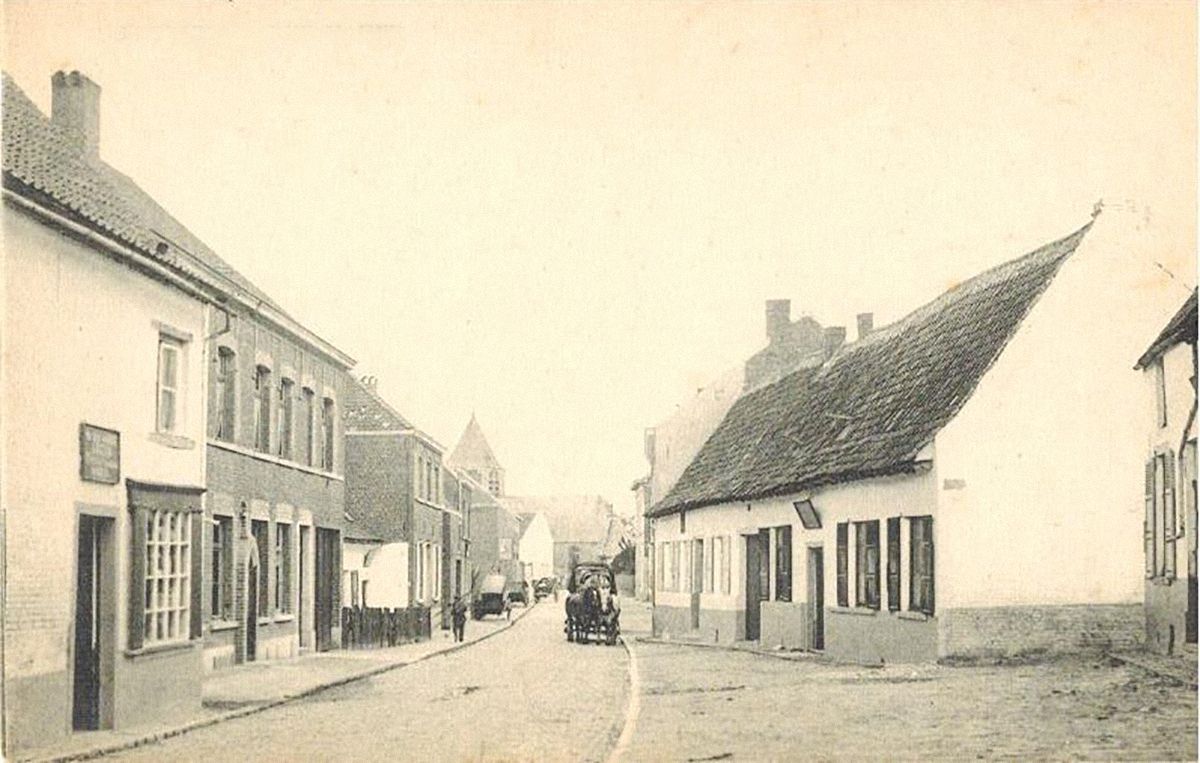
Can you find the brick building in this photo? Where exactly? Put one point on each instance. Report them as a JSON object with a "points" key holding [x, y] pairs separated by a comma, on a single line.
{"points": [[396, 497]]}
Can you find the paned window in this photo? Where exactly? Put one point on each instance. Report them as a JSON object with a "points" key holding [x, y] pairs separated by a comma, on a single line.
{"points": [[283, 433], [327, 427], [262, 409], [893, 563], [225, 401], [310, 426], [921, 565], [783, 563], [843, 564], [167, 579], [725, 546], [283, 567], [221, 569], [258, 528], [710, 564], [170, 380], [866, 563], [1160, 391]]}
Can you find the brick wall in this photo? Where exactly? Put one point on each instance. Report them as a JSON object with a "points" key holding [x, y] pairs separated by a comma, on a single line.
{"points": [[1033, 631], [376, 483]]}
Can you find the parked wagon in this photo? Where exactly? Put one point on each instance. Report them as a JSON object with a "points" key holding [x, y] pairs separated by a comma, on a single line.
{"points": [[490, 599], [593, 608]]}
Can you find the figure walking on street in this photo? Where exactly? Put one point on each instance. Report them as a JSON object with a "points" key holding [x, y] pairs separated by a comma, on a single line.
{"points": [[459, 614]]}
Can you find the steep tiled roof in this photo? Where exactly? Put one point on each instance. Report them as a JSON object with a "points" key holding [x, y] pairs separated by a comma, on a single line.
{"points": [[876, 403], [1181, 328], [365, 411], [472, 450]]}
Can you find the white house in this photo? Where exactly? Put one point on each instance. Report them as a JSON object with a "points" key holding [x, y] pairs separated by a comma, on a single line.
{"points": [[955, 483], [1169, 372], [535, 547]]}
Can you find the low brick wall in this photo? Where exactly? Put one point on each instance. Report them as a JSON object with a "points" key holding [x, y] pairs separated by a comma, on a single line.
{"points": [[722, 626], [1025, 632]]}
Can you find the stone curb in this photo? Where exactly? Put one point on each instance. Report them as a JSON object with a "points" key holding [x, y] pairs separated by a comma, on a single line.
{"points": [[158, 736], [1153, 669]]}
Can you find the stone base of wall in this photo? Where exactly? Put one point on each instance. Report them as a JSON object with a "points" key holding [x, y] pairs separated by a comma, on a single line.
{"points": [[784, 624], [723, 626], [1166, 614], [37, 710], [1029, 632], [873, 637]]}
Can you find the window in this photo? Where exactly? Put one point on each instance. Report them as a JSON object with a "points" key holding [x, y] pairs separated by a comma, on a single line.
{"points": [[258, 528], [783, 563], [710, 564], [262, 409], [284, 423], [170, 380], [494, 482], [221, 569], [1160, 390], [283, 567], [660, 572], [725, 545], [354, 588], [893, 563], [167, 578], [843, 565], [310, 426], [225, 400], [866, 564], [327, 427], [675, 567], [920, 561]]}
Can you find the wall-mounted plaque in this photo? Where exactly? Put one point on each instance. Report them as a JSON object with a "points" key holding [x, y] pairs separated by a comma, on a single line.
{"points": [[99, 454], [808, 515]]}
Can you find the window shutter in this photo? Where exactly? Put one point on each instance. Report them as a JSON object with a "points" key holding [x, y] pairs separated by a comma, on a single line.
{"points": [[197, 573], [1150, 519], [1170, 529], [137, 577]]}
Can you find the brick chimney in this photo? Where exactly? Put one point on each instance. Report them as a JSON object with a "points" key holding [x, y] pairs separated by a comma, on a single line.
{"points": [[76, 106], [835, 337], [779, 317], [866, 324]]}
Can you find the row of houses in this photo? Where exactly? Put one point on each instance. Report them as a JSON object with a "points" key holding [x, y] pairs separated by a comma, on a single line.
{"points": [[193, 478], [961, 483]]}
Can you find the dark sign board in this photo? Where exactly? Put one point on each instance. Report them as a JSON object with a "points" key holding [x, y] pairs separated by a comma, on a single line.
{"points": [[808, 515], [99, 454]]}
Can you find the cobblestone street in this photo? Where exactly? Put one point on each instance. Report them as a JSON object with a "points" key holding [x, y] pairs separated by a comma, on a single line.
{"points": [[709, 704]]}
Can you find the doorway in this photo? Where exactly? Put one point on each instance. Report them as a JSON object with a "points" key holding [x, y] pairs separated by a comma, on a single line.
{"points": [[305, 617], [94, 623], [757, 581], [252, 608], [329, 572], [697, 580], [816, 598]]}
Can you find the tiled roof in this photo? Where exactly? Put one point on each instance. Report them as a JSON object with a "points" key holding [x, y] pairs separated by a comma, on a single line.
{"points": [[44, 161], [365, 411], [1181, 328], [876, 403]]}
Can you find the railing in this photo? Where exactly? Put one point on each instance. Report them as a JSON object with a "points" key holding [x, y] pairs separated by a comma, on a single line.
{"points": [[374, 627]]}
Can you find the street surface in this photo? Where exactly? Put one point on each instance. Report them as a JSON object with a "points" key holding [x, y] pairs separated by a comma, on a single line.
{"points": [[526, 694]]}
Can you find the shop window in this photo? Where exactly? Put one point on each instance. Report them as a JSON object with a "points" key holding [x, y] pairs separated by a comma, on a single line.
{"points": [[921, 565], [167, 577], [866, 564], [893, 563]]}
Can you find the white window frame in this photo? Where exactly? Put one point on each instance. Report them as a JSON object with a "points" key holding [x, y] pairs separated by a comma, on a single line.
{"points": [[166, 618], [170, 344]]}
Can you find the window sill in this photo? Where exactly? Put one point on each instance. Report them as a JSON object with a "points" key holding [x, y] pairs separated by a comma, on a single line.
{"points": [[265, 621], [860, 611], [159, 649], [1162, 580], [215, 626], [920, 617], [286, 617], [178, 442]]}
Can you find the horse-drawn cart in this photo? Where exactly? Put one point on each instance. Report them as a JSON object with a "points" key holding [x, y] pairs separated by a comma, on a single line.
{"points": [[593, 609]]}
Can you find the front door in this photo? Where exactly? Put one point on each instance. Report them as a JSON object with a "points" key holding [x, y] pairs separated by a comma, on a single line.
{"points": [[91, 609], [252, 609], [328, 573], [305, 617], [816, 597], [697, 580], [756, 573]]}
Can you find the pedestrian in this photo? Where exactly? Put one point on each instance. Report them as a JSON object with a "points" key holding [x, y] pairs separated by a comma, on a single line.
{"points": [[508, 609], [459, 614]]}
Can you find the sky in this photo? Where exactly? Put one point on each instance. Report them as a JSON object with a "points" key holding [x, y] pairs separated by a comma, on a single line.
{"points": [[566, 218]]}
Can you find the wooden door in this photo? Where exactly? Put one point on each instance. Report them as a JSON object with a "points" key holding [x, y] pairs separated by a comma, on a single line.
{"points": [[86, 680], [697, 580], [305, 616], [328, 571], [756, 573], [816, 598], [252, 609]]}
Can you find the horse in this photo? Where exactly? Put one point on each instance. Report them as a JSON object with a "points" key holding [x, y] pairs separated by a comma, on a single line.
{"points": [[583, 608]]}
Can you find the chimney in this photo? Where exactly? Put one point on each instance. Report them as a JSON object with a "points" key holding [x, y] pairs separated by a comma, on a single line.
{"points": [[835, 337], [779, 317], [76, 106], [866, 324]]}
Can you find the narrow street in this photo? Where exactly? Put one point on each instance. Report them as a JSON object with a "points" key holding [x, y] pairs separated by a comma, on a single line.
{"points": [[524, 694]]}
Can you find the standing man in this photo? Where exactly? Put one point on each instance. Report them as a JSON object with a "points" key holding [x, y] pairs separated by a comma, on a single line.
{"points": [[459, 615]]}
